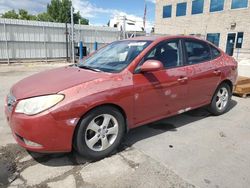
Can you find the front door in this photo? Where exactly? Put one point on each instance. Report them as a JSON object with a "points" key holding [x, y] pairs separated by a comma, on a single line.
{"points": [[161, 93], [230, 44]]}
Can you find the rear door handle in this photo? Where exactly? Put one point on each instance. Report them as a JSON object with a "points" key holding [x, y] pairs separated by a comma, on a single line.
{"points": [[217, 72]]}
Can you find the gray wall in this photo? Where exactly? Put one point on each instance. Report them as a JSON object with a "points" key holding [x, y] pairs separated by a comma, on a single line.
{"points": [[22, 39]]}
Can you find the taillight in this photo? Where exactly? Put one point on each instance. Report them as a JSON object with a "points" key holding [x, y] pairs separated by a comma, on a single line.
{"points": [[235, 64], [234, 68]]}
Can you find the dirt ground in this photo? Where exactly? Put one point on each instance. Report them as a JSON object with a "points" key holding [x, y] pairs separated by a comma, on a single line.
{"points": [[194, 149]]}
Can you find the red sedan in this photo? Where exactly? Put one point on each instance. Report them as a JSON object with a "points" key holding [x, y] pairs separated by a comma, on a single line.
{"points": [[124, 85]]}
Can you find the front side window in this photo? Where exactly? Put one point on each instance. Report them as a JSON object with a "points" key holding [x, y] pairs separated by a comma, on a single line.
{"points": [[167, 11], [197, 52], [197, 6], [115, 56], [181, 9], [214, 38], [167, 52], [239, 4], [216, 5]]}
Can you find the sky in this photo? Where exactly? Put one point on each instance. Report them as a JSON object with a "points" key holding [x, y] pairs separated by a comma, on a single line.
{"points": [[98, 12]]}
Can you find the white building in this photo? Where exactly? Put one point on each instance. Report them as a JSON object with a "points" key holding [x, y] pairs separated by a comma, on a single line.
{"points": [[127, 23]]}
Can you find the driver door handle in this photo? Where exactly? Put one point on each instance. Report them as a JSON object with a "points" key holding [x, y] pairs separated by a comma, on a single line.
{"points": [[182, 79]]}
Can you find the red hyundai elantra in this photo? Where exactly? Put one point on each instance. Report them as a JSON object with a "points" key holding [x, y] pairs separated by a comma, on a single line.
{"points": [[124, 85]]}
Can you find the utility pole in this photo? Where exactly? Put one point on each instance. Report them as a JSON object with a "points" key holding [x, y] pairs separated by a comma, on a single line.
{"points": [[145, 15], [72, 35]]}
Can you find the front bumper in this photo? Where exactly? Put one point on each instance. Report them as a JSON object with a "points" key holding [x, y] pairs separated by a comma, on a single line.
{"points": [[50, 135]]}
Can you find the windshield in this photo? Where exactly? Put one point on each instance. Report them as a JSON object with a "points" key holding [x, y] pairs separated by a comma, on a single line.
{"points": [[115, 56]]}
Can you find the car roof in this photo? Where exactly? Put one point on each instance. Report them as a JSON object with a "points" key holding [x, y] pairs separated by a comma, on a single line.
{"points": [[159, 38], [163, 37]]}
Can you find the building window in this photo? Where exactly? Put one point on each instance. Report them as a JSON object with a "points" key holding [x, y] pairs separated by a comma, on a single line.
{"points": [[167, 11], [197, 6], [214, 38], [239, 40], [239, 4], [181, 9], [216, 5]]}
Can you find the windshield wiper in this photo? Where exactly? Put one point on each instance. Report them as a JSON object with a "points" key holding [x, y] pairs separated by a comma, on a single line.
{"points": [[89, 68]]}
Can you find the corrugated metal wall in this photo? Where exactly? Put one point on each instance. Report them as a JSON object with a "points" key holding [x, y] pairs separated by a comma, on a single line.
{"points": [[22, 39]]}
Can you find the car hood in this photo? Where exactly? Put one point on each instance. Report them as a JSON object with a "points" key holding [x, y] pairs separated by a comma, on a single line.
{"points": [[53, 81]]}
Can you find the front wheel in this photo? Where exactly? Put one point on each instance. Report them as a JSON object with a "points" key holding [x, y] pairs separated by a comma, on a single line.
{"points": [[100, 132], [221, 100]]}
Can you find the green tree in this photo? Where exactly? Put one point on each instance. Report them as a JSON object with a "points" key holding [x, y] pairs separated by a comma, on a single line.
{"points": [[44, 17], [84, 21], [24, 15], [60, 11], [10, 14], [53, 10], [57, 11], [65, 11], [78, 17]]}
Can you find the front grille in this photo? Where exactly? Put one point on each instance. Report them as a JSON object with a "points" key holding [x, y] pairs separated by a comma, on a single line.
{"points": [[11, 100]]}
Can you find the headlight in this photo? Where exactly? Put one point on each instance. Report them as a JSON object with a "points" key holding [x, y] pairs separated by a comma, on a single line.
{"points": [[37, 105]]}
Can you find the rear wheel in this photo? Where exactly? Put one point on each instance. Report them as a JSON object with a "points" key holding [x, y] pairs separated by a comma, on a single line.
{"points": [[221, 99], [100, 132]]}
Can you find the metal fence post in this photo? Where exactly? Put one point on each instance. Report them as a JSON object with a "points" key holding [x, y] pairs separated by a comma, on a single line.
{"points": [[67, 42], [6, 43], [44, 43], [72, 35], [95, 41], [80, 51], [95, 46]]}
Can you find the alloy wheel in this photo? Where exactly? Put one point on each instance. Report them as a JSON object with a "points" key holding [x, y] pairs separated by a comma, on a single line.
{"points": [[222, 98], [101, 132]]}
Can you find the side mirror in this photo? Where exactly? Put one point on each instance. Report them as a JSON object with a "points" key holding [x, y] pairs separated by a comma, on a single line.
{"points": [[151, 65]]}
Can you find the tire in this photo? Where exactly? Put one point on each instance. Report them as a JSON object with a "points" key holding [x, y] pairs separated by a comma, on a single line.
{"points": [[99, 133], [221, 100]]}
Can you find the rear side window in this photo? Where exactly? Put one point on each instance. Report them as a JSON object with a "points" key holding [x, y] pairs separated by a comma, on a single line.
{"points": [[197, 52], [214, 52]]}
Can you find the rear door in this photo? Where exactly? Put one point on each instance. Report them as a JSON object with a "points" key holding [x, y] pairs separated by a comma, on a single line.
{"points": [[161, 93], [203, 75]]}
